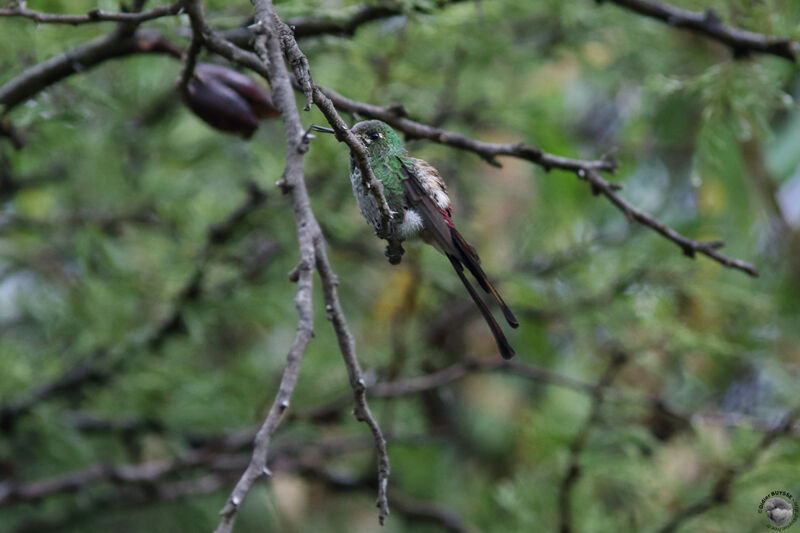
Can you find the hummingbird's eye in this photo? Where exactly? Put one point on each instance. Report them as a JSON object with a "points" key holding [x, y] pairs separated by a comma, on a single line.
{"points": [[376, 136]]}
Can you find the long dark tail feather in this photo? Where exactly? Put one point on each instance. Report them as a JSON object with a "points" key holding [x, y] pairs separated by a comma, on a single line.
{"points": [[502, 343], [471, 260]]}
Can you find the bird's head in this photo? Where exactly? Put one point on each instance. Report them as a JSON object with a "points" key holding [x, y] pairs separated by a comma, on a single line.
{"points": [[378, 137]]}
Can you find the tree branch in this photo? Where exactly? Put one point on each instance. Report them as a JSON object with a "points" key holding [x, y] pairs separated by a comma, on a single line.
{"points": [[296, 146], [414, 510], [578, 444], [689, 246], [106, 364], [347, 346], [415, 385], [123, 474], [327, 100], [134, 485], [219, 455], [356, 17], [721, 487], [395, 116], [344, 22], [190, 58], [119, 43], [95, 15], [585, 170], [274, 37], [741, 42]]}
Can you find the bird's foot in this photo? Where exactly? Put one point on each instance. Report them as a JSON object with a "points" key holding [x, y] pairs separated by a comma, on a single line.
{"points": [[394, 251]]}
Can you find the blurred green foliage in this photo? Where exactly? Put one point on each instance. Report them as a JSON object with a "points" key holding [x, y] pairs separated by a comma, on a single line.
{"points": [[95, 257]]}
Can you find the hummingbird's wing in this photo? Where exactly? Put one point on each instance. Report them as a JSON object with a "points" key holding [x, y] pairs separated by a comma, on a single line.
{"points": [[426, 194]]}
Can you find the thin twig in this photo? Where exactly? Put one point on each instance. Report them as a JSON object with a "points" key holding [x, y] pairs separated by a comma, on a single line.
{"points": [[95, 15], [347, 346], [721, 487], [218, 455], [107, 363], [190, 57], [415, 385], [296, 146], [395, 116], [343, 22], [272, 39], [689, 246], [413, 510], [578, 444], [741, 42], [118, 43]]}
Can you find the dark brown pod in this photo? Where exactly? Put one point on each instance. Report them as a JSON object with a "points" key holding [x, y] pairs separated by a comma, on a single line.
{"points": [[256, 96], [220, 106]]}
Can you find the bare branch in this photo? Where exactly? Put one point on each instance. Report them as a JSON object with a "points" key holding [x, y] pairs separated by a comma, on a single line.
{"points": [[741, 42], [414, 510], [273, 37], [415, 385], [118, 43], [220, 455], [328, 100], [578, 444], [209, 469], [114, 45], [348, 21], [688, 246], [297, 59], [95, 15], [721, 487], [586, 170], [347, 346], [395, 117], [335, 314], [344, 22], [127, 474], [105, 364], [297, 145], [190, 57]]}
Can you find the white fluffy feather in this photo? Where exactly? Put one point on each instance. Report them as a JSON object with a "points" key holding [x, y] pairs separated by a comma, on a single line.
{"points": [[412, 224]]}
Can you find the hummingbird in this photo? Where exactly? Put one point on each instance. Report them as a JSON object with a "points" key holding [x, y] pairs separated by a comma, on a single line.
{"points": [[417, 196]]}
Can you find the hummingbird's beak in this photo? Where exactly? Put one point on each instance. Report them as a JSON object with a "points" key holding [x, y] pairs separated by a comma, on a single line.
{"points": [[322, 129]]}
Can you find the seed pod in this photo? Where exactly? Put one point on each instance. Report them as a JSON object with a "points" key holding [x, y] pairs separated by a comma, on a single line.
{"points": [[220, 107], [227, 100], [255, 95]]}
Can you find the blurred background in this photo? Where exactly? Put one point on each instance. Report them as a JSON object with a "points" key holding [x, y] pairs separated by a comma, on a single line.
{"points": [[146, 312]]}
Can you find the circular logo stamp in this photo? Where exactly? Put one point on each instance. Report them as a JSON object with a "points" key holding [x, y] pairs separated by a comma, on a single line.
{"points": [[780, 508]]}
